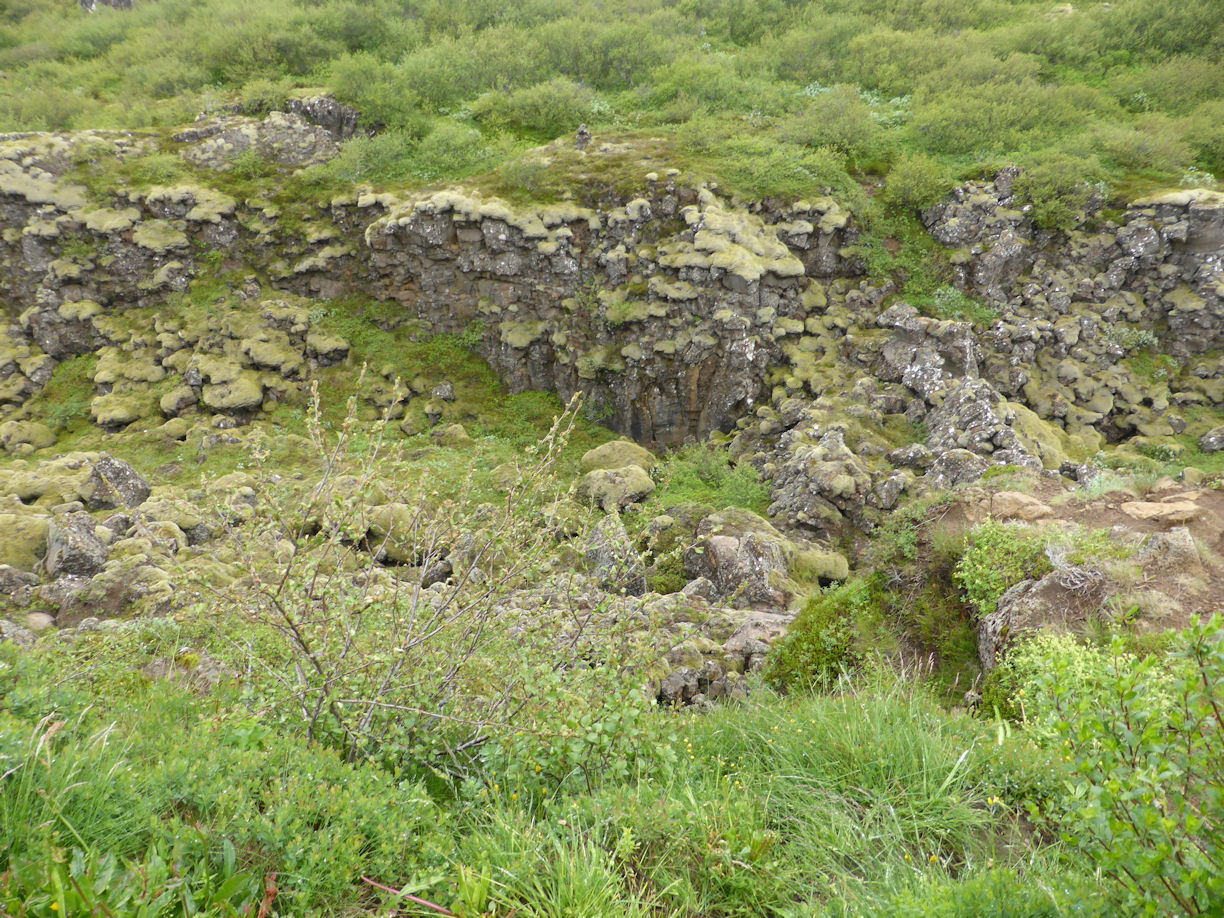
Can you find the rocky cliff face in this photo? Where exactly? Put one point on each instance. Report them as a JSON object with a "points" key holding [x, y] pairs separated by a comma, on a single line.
{"points": [[675, 311], [668, 310]]}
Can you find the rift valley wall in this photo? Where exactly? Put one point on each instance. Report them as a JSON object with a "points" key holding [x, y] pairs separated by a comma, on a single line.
{"points": [[676, 312]]}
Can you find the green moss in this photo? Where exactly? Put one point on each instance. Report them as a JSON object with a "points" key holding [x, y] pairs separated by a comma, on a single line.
{"points": [[159, 236], [25, 538], [64, 401], [704, 474], [522, 334]]}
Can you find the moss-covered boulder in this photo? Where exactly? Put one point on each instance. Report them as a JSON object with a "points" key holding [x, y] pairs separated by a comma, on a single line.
{"points": [[73, 546], [454, 436], [25, 536], [245, 392], [615, 489], [21, 437], [753, 565], [617, 455]]}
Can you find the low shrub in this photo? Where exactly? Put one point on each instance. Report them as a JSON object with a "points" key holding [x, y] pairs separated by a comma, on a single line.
{"points": [[821, 642], [838, 118], [998, 556], [705, 474], [1057, 189], [1147, 806], [948, 302], [547, 109], [915, 182]]}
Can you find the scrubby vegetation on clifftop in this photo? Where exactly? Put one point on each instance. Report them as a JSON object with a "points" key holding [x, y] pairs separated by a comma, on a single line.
{"points": [[797, 491]]}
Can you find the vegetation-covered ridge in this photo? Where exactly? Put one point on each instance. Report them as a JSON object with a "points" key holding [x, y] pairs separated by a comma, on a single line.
{"points": [[774, 94]]}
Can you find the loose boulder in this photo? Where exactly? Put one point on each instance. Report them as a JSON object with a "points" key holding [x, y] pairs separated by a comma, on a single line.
{"points": [[617, 455], [115, 485], [615, 489], [20, 437], [1212, 441], [73, 546]]}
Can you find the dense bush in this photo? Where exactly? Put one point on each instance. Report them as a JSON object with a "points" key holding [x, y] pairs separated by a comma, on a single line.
{"points": [[1148, 752], [838, 118], [703, 474], [1056, 190], [548, 109], [915, 182], [997, 557], [821, 642]]}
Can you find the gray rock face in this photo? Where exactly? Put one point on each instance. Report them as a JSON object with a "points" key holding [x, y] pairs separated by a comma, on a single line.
{"points": [[1055, 603], [336, 118], [819, 479], [22, 637], [956, 467], [1212, 441], [1165, 258], [73, 547], [1174, 551], [974, 416], [115, 485], [613, 560], [282, 138], [15, 585], [631, 305], [744, 557]]}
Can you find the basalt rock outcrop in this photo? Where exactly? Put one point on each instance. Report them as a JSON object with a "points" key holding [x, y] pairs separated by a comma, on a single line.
{"points": [[675, 311]]}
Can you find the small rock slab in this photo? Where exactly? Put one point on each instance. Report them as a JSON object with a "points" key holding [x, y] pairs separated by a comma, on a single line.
{"points": [[1172, 513], [114, 485], [1212, 441], [1015, 505]]}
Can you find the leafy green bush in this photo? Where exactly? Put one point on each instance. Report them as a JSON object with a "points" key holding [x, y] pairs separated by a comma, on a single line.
{"points": [[948, 302], [249, 165], [915, 182], [761, 166], [389, 156], [380, 91], [704, 474], [1153, 143], [1148, 805], [840, 119], [547, 109], [997, 557], [451, 149], [1057, 189], [1018, 690], [576, 740], [820, 643], [1205, 132], [168, 881]]}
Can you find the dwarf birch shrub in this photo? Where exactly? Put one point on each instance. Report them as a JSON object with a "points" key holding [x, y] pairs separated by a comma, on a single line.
{"points": [[997, 557], [1147, 802], [389, 598]]}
